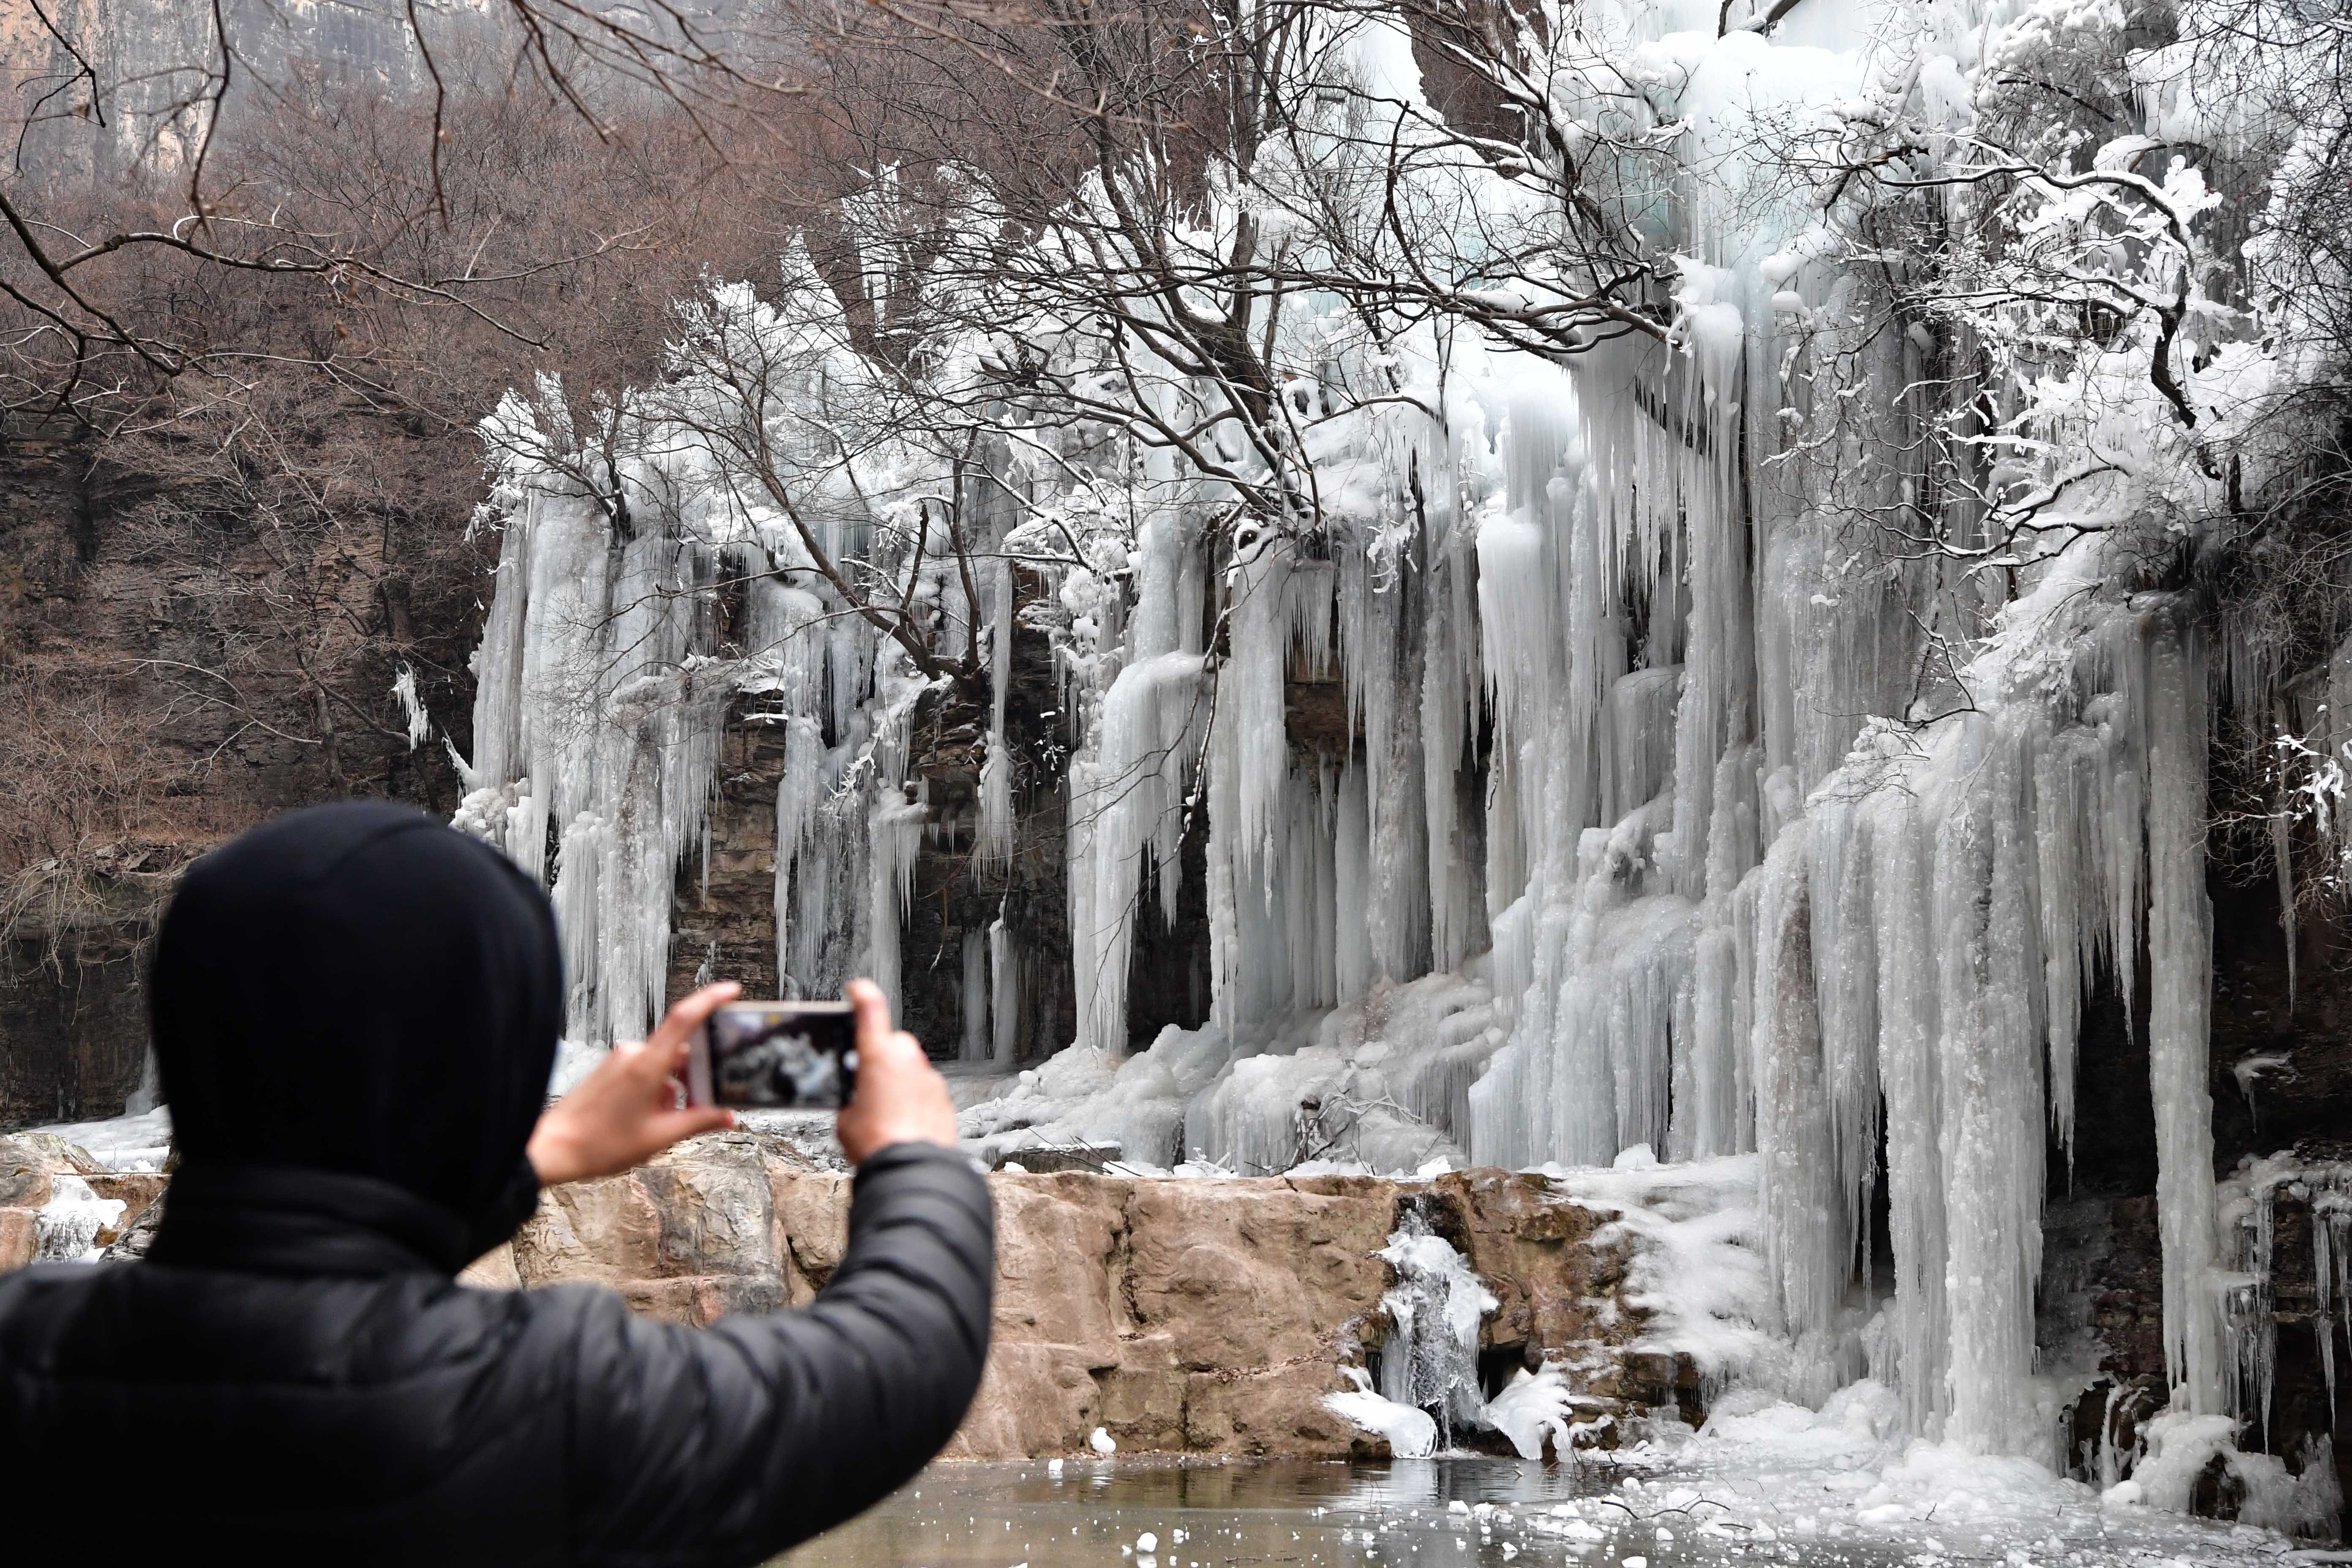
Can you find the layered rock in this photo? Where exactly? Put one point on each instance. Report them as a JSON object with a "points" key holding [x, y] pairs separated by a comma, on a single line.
{"points": [[42, 1177], [1179, 1316]]}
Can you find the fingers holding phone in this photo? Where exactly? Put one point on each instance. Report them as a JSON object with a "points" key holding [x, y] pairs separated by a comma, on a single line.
{"points": [[807, 1055], [900, 1097], [626, 1112]]}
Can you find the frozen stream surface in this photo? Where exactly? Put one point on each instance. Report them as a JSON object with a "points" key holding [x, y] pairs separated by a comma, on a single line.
{"points": [[1717, 1504]]}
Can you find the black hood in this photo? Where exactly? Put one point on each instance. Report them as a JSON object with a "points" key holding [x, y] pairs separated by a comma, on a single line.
{"points": [[355, 1011]]}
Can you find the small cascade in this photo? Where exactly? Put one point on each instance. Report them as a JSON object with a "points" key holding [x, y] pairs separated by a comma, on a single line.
{"points": [[1430, 1362], [65, 1230]]}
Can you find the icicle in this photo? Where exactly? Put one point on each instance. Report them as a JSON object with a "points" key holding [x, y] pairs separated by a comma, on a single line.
{"points": [[2180, 930], [404, 691], [1904, 943], [2281, 864], [996, 821], [1251, 686], [1723, 1119], [2331, 1268], [1003, 991], [976, 1037], [2249, 1328], [1844, 947], [800, 795], [1131, 808], [1448, 697], [1352, 949], [894, 835], [2065, 784], [1802, 1202], [1991, 1091]]}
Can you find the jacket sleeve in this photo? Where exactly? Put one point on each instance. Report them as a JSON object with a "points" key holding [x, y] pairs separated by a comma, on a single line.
{"points": [[729, 1444]]}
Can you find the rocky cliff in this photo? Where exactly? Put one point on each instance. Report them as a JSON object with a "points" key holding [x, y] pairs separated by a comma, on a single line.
{"points": [[1178, 1316]]}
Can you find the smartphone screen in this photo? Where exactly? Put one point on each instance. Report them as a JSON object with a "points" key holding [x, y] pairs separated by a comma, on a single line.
{"points": [[788, 1056]]}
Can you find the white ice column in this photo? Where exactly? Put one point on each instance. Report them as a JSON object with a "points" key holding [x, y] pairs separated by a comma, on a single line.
{"points": [[1132, 806], [1992, 1142], [1250, 690], [1803, 1207], [976, 1039], [1351, 874], [2180, 947], [1908, 1076], [1846, 969], [2073, 927], [1004, 990], [1720, 1118]]}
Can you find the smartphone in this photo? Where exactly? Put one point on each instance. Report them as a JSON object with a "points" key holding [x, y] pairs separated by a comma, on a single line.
{"points": [[792, 1056]]}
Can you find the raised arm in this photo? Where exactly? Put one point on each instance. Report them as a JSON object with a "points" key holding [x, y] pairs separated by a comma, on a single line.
{"points": [[728, 1444]]}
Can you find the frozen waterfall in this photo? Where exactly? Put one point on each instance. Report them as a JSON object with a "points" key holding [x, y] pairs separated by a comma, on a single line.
{"points": [[1673, 807]]}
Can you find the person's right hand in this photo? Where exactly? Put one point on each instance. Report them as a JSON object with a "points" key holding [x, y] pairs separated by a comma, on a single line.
{"points": [[624, 1113], [900, 1097]]}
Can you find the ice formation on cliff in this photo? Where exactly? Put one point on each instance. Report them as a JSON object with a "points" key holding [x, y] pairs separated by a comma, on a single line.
{"points": [[1667, 820], [1429, 1360]]}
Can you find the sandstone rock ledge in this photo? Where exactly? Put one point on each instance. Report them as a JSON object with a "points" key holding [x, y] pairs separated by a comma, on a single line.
{"points": [[1181, 1316]]}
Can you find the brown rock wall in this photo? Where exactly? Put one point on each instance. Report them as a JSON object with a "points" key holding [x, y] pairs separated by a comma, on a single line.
{"points": [[1536, 1251], [1207, 1317]]}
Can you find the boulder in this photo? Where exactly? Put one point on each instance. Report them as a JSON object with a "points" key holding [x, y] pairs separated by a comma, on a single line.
{"points": [[811, 1210], [29, 1163], [20, 1241], [493, 1270], [1269, 1412], [1243, 1273], [687, 1238]]}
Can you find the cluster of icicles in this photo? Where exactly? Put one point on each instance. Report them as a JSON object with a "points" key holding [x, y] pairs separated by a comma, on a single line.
{"points": [[1727, 911], [2249, 1206], [600, 711]]}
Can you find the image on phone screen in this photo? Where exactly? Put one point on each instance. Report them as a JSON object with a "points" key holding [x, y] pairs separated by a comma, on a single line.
{"points": [[780, 1056]]}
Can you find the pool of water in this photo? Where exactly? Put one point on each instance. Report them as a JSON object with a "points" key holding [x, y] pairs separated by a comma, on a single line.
{"points": [[1455, 1512], [1720, 1504]]}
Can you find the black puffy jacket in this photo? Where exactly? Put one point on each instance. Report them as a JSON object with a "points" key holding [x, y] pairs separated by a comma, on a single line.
{"points": [[377, 1412], [355, 1009]]}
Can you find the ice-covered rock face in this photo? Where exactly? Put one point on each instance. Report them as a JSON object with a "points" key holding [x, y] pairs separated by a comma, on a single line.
{"points": [[1219, 1316], [1751, 741]]}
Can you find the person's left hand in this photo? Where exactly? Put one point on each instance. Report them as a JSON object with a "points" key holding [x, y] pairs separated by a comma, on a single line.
{"points": [[624, 1113]]}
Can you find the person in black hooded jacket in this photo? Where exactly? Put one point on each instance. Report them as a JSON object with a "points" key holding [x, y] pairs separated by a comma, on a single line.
{"points": [[355, 1013]]}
